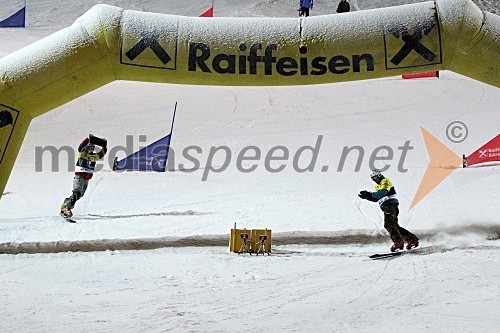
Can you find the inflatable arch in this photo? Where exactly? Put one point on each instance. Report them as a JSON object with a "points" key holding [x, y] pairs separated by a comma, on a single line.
{"points": [[109, 43]]}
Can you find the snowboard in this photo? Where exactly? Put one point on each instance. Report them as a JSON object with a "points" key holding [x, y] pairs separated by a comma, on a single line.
{"points": [[97, 141], [385, 255], [67, 219], [389, 255]]}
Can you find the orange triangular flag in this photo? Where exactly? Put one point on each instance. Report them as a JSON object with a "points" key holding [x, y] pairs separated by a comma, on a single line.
{"points": [[442, 162]]}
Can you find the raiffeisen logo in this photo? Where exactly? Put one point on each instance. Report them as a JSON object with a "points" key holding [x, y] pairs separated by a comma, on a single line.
{"points": [[258, 59]]}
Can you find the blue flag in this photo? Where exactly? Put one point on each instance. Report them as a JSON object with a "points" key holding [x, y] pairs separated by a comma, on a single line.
{"points": [[16, 20], [150, 158]]}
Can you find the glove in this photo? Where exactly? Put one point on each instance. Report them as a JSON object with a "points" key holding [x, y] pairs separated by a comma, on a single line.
{"points": [[364, 194]]}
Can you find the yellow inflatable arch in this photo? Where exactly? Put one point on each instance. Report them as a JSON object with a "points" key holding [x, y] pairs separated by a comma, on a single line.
{"points": [[109, 43]]}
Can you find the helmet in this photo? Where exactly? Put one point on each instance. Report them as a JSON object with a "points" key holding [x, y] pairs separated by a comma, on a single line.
{"points": [[89, 148], [376, 174]]}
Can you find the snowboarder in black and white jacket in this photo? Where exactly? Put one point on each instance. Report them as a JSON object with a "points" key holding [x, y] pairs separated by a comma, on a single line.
{"points": [[85, 166], [385, 195]]}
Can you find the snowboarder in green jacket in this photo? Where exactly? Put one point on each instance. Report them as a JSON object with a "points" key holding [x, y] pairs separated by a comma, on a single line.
{"points": [[385, 195]]}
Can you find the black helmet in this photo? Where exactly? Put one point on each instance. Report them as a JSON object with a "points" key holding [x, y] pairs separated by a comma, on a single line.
{"points": [[89, 148]]}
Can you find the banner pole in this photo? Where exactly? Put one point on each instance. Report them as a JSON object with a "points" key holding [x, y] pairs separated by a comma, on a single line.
{"points": [[173, 118]]}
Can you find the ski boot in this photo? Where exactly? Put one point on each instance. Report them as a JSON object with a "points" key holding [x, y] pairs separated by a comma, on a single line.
{"points": [[412, 244], [398, 246], [65, 211]]}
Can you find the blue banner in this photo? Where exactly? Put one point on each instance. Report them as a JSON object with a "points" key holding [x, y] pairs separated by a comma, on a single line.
{"points": [[150, 158], [16, 20]]}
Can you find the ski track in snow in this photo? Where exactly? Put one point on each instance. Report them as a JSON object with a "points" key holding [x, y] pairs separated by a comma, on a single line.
{"points": [[478, 233]]}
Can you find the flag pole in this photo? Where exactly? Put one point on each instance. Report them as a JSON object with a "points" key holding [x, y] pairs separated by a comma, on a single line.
{"points": [[171, 130], [173, 118]]}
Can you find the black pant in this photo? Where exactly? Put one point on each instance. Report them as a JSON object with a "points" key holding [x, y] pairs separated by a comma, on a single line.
{"points": [[396, 232], [304, 11]]}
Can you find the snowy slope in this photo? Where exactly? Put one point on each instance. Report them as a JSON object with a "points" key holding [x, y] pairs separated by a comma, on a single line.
{"points": [[239, 117], [452, 286], [208, 290]]}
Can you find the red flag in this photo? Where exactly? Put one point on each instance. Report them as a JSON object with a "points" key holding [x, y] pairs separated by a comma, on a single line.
{"points": [[421, 75], [488, 153], [209, 13]]}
